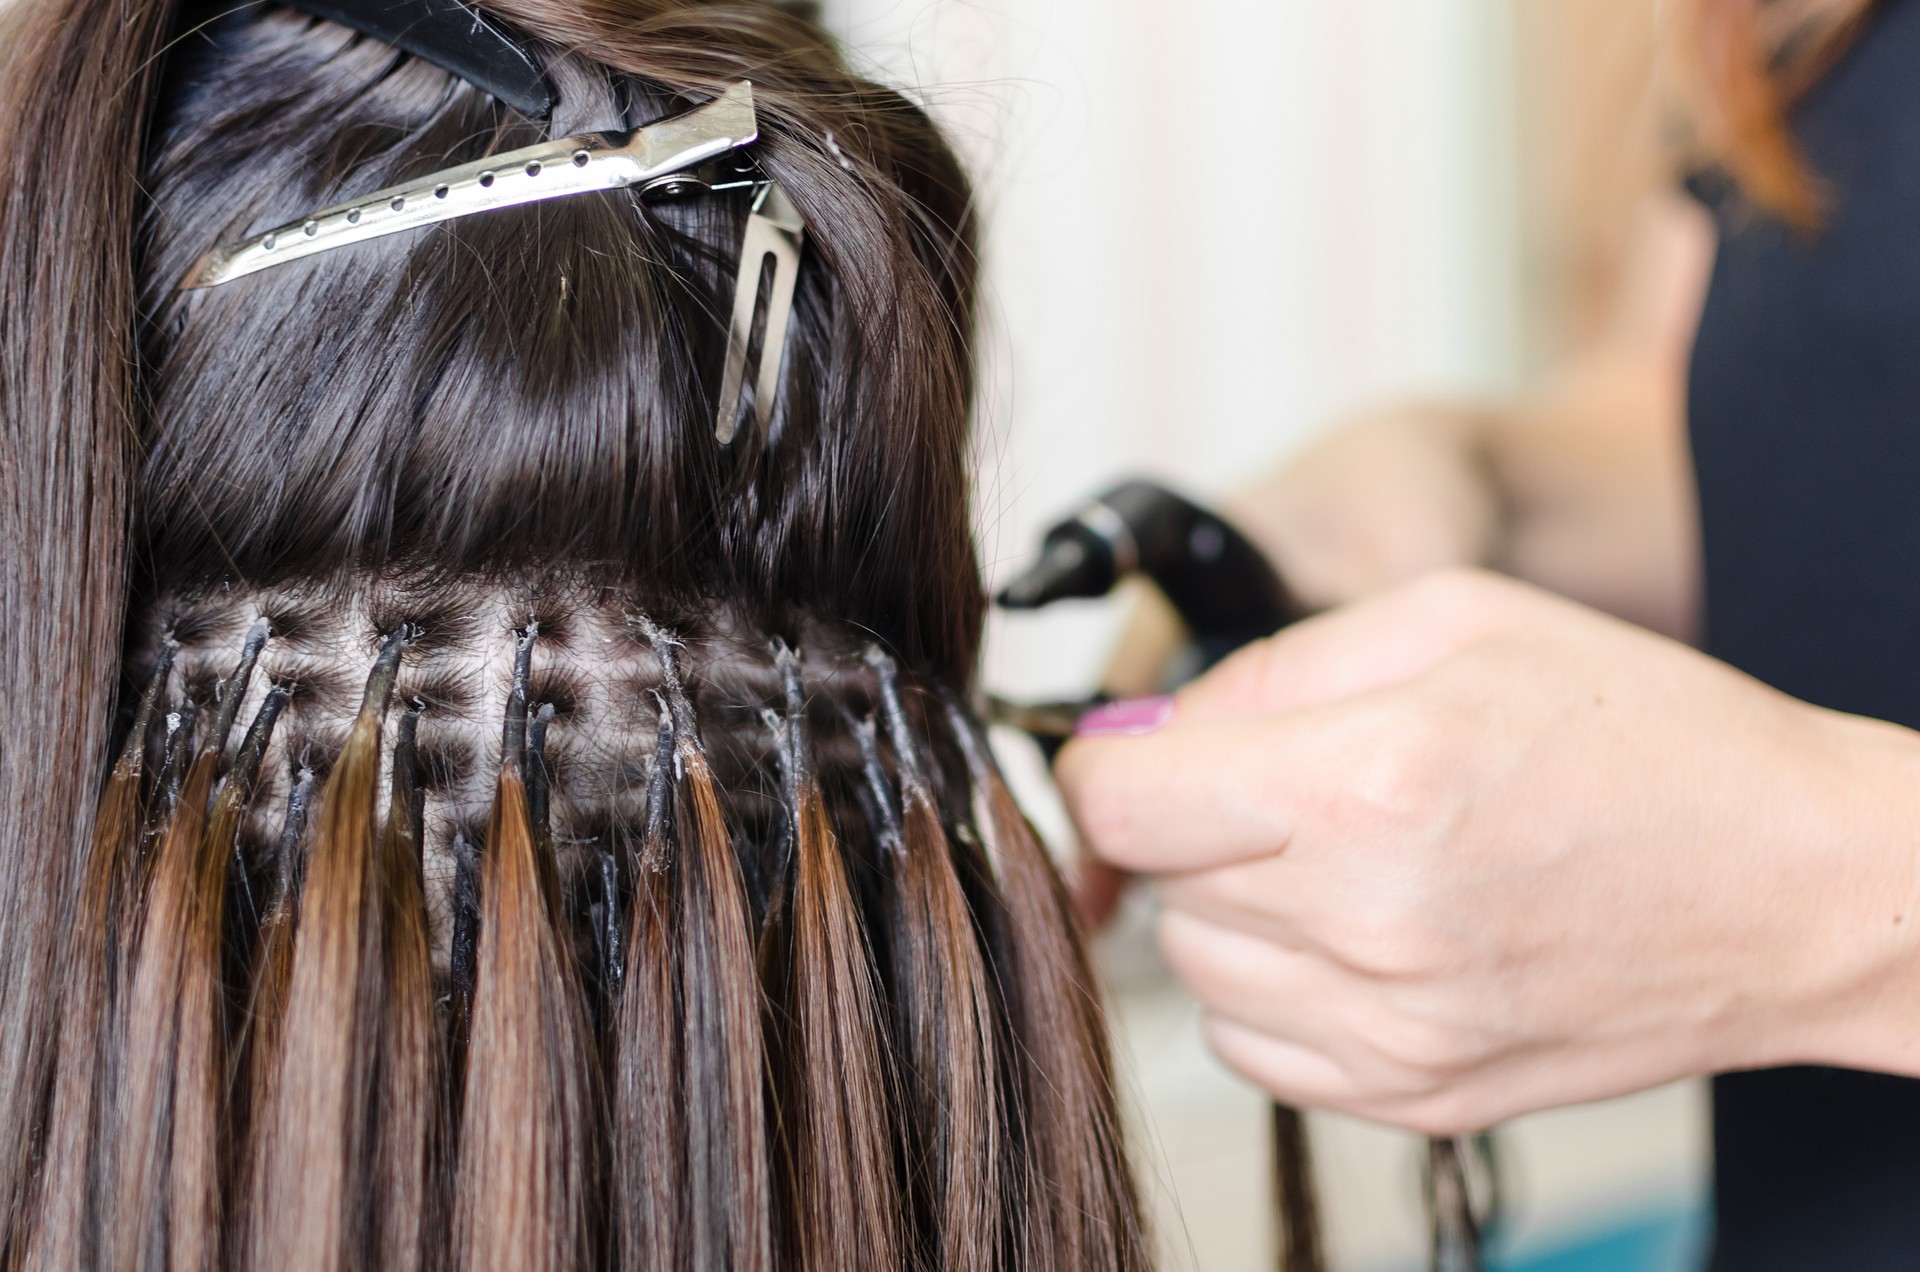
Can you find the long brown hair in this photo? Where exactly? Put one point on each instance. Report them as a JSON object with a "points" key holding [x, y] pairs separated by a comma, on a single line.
{"points": [[1743, 65], [535, 836]]}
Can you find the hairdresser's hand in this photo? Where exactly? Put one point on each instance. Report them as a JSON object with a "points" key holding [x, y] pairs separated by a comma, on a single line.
{"points": [[1378, 501], [1466, 850]]}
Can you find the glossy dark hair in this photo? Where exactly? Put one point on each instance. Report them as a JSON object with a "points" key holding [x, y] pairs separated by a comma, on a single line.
{"points": [[790, 984]]}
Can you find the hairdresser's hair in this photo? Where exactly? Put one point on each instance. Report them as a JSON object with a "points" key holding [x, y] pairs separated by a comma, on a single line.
{"points": [[1743, 64], [453, 812]]}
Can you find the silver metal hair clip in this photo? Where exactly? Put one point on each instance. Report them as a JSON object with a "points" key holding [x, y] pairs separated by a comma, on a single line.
{"points": [[775, 231], [665, 156]]}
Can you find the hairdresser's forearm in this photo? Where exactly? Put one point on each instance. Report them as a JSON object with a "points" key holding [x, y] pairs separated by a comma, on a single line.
{"points": [[1583, 487], [1595, 488], [1381, 499], [1856, 942]]}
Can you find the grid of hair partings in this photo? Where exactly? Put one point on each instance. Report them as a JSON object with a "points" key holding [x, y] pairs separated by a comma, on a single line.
{"points": [[456, 814]]}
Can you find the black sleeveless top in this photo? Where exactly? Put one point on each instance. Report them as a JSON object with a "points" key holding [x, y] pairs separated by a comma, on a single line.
{"points": [[1805, 417]]}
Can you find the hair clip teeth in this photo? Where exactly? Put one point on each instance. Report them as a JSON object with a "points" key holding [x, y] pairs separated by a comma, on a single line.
{"points": [[549, 170]]}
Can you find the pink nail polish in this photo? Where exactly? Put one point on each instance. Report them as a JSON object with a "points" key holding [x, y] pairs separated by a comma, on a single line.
{"points": [[1129, 715]]}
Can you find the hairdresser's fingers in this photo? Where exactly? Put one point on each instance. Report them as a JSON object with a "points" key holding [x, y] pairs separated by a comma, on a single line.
{"points": [[1291, 1073], [1330, 895], [1285, 992], [1306, 1078], [1197, 795], [1380, 1032], [1184, 798], [1384, 640]]}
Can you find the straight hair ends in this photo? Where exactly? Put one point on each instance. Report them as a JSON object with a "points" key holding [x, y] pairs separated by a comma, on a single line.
{"points": [[726, 1021], [1075, 1167], [311, 1194], [524, 1192], [86, 75]]}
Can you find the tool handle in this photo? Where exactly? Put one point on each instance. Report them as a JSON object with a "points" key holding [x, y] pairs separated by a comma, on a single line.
{"points": [[1222, 586]]}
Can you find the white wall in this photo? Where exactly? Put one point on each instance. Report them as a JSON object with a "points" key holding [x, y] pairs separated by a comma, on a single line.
{"points": [[1213, 226]]}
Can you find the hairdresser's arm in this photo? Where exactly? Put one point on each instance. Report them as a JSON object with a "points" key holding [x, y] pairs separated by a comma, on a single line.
{"points": [[1465, 850], [1583, 487]]}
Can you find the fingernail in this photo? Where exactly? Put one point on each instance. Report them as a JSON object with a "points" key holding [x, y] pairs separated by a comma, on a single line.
{"points": [[1129, 715]]}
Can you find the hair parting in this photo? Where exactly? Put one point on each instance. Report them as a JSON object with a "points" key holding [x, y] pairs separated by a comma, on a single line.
{"points": [[529, 1171], [944, 1012]]}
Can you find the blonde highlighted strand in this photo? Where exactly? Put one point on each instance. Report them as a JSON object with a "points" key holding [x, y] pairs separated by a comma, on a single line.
{"points": [[943, 1011], [529, 1165], [310, 1192], [842, 1129], [728, 1183]]}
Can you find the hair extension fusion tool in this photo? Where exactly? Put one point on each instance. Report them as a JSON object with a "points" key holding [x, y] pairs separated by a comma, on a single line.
{"points": [[1220, 584]]}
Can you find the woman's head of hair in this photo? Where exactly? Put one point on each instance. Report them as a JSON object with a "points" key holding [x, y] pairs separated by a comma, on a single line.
{"points": [[597, 804], [531, 386]]}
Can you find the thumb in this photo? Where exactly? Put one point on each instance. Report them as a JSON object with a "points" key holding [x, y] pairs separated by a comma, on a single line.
{"points": [[1372, 644], [1198, 794], [1224, 773]]}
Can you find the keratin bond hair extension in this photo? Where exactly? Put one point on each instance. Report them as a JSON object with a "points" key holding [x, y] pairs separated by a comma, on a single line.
{"points": [[477, 813]]}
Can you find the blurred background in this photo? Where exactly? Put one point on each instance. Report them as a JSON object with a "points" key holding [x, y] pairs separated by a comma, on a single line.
{"points": [[1213, 228]]}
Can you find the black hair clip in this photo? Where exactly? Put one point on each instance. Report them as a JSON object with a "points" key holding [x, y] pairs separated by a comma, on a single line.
{"points": [[452, 35]]}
